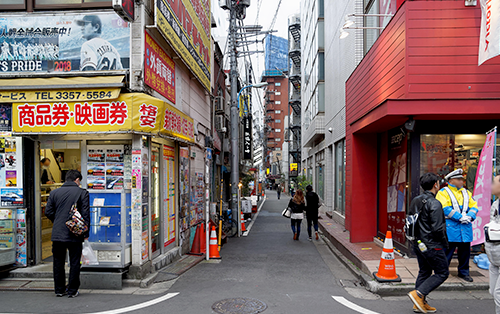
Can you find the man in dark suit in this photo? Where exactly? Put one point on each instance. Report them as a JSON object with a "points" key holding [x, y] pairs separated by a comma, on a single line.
{"points": [[57, 210]]}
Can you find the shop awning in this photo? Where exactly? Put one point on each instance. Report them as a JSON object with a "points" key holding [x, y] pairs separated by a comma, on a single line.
{"points": [[129, 113], [77, 88]]}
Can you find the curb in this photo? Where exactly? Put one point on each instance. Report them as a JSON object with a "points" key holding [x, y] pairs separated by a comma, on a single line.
{"points": [[395, 289]]}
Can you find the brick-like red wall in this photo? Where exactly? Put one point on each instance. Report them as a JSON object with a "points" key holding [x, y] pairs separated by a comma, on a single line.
{"points": [[429, 50]]}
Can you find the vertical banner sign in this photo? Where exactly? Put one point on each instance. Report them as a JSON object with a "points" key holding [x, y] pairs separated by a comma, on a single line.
{"points": [[396, 184], [482, 188], [247, 137], [186, 25], [489, 45], [159, 70]]}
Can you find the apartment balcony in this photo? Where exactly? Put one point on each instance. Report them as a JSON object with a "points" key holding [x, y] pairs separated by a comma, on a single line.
{"points": [[315, 132]]}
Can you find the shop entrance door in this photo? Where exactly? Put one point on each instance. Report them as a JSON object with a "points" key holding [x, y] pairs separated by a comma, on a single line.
{"points": [[56, 158]]}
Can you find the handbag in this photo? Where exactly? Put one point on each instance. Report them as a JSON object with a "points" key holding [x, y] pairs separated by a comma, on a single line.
{"points": [[75, 222], [287, 212], [492, 229]]}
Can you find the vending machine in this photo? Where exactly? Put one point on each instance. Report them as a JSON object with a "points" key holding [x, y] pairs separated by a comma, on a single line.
{"points": [[7, 236]]}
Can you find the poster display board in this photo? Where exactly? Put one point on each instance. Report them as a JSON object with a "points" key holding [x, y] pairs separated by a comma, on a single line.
{"points": [[396, 185], [184, 188], [106, 167], [169, 194], [197, 198], [11, 172]]}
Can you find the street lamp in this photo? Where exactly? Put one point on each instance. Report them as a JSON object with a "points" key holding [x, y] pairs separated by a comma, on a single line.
{"points": [[258, 85]]}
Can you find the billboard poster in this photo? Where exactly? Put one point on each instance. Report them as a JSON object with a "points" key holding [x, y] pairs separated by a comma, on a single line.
{"points": [[396, 184], [159, 69], [64, 42], [186, 25], [489, 45]]}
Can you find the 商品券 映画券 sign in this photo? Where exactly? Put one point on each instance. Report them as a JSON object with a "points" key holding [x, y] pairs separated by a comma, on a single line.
{"points": [[134, 112]]}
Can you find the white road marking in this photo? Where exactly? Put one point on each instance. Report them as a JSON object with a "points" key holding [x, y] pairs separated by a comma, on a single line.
{"points": [[254, 218], [132, 307], [352, 306], [140, 305]]}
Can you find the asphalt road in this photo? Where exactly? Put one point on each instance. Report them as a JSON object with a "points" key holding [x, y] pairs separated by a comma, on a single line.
{"points": [[288, 276]]}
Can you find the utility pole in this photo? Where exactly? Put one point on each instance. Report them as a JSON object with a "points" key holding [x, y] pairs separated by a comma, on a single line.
{"points": [[235, 118]]}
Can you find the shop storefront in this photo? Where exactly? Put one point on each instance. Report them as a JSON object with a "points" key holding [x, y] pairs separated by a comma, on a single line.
{"points": [[416, 112], [133, 152]]}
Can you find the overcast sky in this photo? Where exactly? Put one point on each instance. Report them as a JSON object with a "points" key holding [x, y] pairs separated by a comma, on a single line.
{"points": [[266, 13]]}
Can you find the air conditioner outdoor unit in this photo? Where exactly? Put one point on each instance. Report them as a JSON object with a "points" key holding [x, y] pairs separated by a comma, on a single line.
{"points": [[220, 123], [219, 105]]}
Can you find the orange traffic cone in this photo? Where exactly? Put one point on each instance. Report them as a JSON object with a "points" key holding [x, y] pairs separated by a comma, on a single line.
{"points": [[243, 228], [195, 248], [203, 239], [387, 267], [214, 247]]}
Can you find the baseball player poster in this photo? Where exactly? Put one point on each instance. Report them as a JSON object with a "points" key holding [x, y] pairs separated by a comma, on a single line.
{"points": [[64, 43]]}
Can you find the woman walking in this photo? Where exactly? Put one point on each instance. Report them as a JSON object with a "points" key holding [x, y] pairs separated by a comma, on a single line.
{"points": [[493, 248], [297, 206]]}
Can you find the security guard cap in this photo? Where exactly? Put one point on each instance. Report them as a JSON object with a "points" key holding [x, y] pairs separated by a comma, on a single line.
{"points": [[456, 174]]}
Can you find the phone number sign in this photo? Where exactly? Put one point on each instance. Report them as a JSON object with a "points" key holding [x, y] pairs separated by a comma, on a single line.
{"points": [[58, 95]]}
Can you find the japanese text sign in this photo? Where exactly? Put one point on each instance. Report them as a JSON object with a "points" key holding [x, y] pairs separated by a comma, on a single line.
{"points": [[482, 188], [159, 69], [177, 124], [186, 25], [129, 112]]}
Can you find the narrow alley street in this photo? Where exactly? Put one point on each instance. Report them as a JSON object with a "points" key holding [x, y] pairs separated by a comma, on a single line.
{"points": [[268, 265]]}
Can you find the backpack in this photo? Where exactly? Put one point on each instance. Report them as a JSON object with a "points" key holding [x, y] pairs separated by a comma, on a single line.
{"points": [[410, 227]]}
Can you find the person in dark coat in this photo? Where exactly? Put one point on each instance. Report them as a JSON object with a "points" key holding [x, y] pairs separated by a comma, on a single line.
{"points": [[312, 206], [430, 229], [297, 206], [58, 206]]}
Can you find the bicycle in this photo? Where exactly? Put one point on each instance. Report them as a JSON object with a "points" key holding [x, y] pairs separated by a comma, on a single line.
{"points": [[229, 226]]}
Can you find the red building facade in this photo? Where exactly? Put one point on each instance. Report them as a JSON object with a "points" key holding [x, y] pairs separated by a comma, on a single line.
{"points": [[418, 102]]}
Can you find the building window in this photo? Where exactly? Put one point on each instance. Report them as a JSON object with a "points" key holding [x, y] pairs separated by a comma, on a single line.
{"points": [[277, 84], [278, 102], [277, 93], [443, 153], [277, 121], [278, 140], [371, 35], [13, 5], [339, 196], [277, 111], [277, 130]]}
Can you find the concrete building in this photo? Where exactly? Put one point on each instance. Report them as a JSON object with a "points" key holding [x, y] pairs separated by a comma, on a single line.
{"points": [[132, 93]]}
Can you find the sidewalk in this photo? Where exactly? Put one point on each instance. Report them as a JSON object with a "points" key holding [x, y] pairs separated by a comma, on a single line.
{"points": [[364, 258]]}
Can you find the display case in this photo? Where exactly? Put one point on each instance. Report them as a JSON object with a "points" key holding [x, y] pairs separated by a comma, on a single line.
{"points": [[7, 236], [110, 228]]}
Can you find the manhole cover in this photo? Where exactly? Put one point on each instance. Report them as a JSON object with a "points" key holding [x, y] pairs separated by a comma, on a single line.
{"points": [[239, 306]]}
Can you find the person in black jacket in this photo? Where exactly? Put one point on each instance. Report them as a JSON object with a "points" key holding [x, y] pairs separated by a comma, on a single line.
{"points": [[57, 210], [312, 206], [297, 206], [430, 229]]}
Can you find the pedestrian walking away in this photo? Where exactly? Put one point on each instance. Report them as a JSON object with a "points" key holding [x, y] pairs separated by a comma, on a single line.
{"points": [[429, 243], [278, 191], [58, 208], [297, 206], [312, 207], [460, 210], [493, 248]]}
